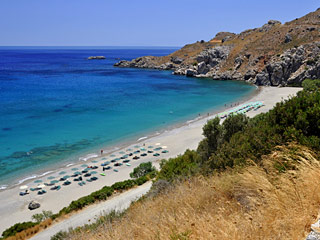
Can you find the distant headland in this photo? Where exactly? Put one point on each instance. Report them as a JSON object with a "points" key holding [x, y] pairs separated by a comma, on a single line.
{"points": [[273, 55]]}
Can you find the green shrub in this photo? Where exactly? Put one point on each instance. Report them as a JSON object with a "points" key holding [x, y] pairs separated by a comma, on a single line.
{"points": [[141, 180], [18, 227], [142, 170], [123, 185], [311, 85], [180, 167], [39, 217]]}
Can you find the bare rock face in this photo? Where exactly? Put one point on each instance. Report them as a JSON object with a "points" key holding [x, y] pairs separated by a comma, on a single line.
{"points": [[292, 67], [176, 60], [214, 56], [266, 27], [287, 38], [203, 68], [141, 62], [191, 72]]}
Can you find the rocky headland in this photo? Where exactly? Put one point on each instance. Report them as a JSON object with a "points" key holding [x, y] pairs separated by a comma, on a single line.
{"points": [[275, 54]]}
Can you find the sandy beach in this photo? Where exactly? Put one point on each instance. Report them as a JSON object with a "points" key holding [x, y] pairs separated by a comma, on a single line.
{"points": [[14, 208]]}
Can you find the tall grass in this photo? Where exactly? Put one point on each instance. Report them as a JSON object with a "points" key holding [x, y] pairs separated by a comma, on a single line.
{"points": [[256, 202]]}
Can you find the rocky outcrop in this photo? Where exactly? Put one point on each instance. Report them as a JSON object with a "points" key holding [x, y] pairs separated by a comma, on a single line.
{"points": [[291, 67], [271, 23], [96, 58], [176, 60], [288, 38], [33, 205], [141, 62], [273, 55]]}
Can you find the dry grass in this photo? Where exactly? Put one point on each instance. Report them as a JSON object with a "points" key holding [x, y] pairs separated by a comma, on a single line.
{"points": [[28, 233], [252, 203]]}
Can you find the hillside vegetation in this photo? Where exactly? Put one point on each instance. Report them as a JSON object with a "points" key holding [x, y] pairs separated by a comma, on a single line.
{"points": [[252, 203], [249, 179]]}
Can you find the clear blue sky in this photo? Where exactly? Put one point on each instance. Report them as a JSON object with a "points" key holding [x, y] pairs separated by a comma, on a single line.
{"points": [[136, 22]]}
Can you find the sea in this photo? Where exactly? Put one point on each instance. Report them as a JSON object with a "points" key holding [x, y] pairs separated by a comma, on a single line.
{"points": [[58, 108]]}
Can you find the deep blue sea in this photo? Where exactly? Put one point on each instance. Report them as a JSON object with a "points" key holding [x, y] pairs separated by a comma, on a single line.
{"points": [[55, 105]]}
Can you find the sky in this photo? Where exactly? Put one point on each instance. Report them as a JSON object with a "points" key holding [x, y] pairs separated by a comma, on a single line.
{"points": [[136, 22]]}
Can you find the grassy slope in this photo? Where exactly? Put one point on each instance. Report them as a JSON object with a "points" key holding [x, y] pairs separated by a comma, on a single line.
{"points": [[256, 202]]}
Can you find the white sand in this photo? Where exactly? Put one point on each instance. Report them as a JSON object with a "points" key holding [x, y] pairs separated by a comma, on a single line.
{"points": [[13, 208]]}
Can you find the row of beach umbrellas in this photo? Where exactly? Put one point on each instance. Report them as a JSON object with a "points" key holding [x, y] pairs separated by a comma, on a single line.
{"points": [[53, 180]]}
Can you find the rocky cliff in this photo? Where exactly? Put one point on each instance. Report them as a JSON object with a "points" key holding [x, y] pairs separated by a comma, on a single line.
{"points": [[273, 55]]}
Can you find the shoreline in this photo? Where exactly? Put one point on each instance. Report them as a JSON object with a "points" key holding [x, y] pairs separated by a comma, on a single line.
{"points": [[120, 144], [13, 208]]}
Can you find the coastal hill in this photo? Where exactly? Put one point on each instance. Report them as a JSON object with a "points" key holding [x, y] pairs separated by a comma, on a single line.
{"points": [[275, 54]]}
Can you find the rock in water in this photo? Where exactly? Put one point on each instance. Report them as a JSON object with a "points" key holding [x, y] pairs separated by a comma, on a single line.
{"points": [[96, 58]]}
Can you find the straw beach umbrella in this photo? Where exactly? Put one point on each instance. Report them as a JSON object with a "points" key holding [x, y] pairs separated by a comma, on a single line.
{"points": [[158, 144]]}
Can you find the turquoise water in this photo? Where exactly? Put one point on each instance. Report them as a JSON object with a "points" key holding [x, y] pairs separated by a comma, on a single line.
{"points": [[55, 105]]}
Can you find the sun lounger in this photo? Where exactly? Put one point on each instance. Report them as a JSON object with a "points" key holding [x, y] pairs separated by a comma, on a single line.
{"points": [[23, 193], [42, 192], [55, 188], [66, 183]]}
